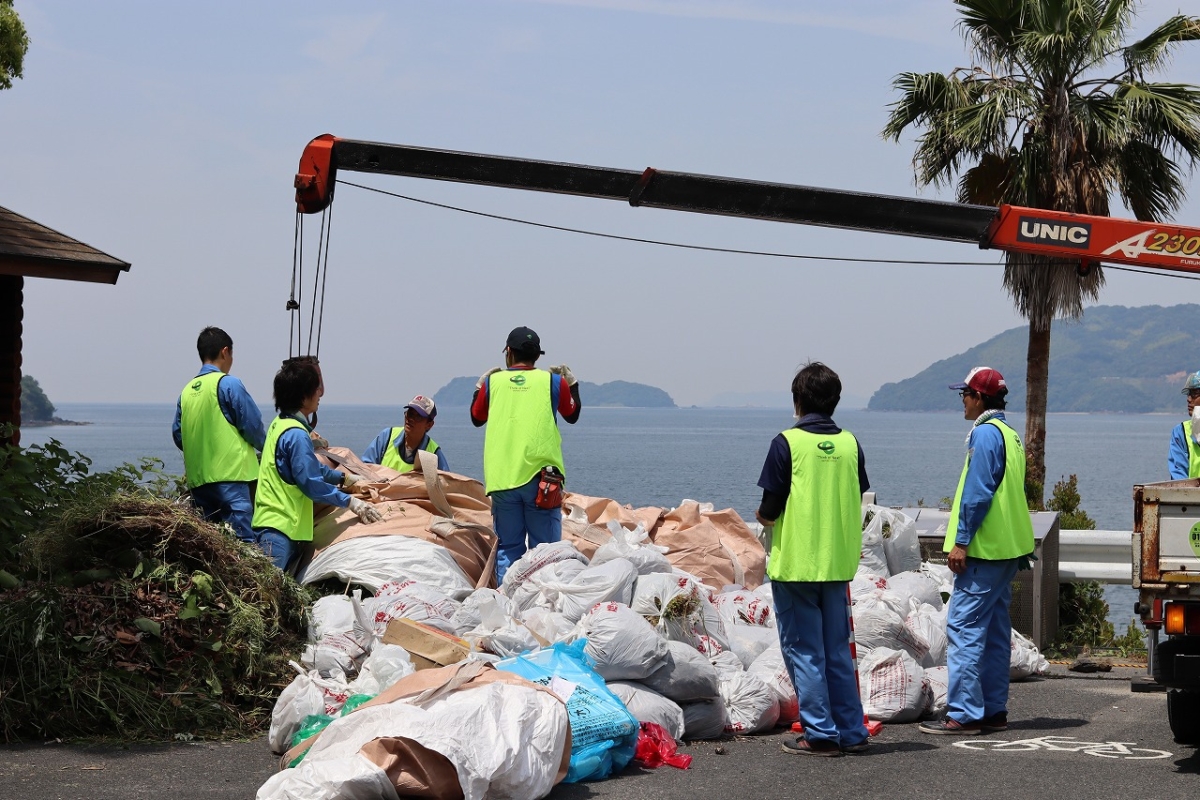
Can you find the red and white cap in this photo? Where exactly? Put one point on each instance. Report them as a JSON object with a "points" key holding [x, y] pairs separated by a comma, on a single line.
{"points": [[984, 380], [424, 406]]}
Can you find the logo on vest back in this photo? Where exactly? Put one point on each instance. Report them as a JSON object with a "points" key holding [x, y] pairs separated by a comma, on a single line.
{"points": [[517, 380], [196, 386], [826, 447]]}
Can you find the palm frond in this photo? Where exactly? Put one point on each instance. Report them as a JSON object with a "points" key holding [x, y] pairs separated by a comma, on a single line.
{"points": [[1149, 182], [991, 27], [1166, 115], [989, 182], [1044, 289], [1153, 51], [924, 97]]}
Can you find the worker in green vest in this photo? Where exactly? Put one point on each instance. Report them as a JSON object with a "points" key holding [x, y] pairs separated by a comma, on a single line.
{"points": [[1183, 459], [522, 449], [989, 537], [813, 481], [219, 429], [290, 478], [397, 447]]}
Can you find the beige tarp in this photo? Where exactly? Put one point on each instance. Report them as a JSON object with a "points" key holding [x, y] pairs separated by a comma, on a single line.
{"points": [[455, 512]]}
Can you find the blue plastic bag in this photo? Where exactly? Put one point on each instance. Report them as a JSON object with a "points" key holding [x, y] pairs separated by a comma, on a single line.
{"points": [[603, 733]]}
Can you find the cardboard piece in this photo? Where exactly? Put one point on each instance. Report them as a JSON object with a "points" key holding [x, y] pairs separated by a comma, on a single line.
{"points": [[428, 647]]}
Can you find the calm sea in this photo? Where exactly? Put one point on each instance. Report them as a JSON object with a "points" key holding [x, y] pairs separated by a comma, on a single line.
{"points": [[661, 456]]}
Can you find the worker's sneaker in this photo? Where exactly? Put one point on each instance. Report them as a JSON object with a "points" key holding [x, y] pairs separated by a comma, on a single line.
{"points": [[951, 727], [857, 749], [804, 747], [996, 723]]}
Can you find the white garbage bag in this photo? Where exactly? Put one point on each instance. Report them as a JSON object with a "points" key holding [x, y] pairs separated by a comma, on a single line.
{"points": [[866, 584], [749, 641], [1025, 659], [499, 632], [537, 558], [704, 719], [929, 623], [372, 561], [942, 576], [386, 664], [873, 558], [749, 703], [412, 600], [635, 546], [918, 587], [504, 741], [770, 667], [877, 625], [726, 663], [891, 685], [901, 546], [686, 676], [467, 617], [937, 687], [331, 614], [335, 651], [610, 581], [529, 594], [650, 706], [623, 645], [301, 698], [550, 625], [744, 607]]}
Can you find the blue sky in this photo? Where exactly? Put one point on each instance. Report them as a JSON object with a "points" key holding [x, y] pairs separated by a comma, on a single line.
{"points": [[168, 134]]}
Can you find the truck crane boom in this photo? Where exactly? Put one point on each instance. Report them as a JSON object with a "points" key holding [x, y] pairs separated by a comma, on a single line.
{"points": [[1088, 239]]}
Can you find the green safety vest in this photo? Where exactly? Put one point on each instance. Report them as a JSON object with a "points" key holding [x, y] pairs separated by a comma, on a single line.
{"points": [[522, 435], [279, 504], [391, 457], [1007, 531], [1193, 450], [818, 537], [213, 449]]}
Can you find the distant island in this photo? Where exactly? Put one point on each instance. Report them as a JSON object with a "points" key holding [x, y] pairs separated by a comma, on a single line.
{"points": [[36, 409], [1115, 359], [614, 394]]}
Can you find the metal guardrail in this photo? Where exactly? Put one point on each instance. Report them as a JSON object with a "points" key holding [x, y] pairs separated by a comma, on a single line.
{"points": [[1104, 556]]}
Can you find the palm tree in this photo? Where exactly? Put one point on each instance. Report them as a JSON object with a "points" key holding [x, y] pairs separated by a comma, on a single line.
{"points": [[1056, 113]]}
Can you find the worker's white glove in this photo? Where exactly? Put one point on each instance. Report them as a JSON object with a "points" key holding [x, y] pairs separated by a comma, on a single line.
{"points": [[565, 371], [483, 379], [366, 512], [318, 440], [1196, 424], [349, 481]]}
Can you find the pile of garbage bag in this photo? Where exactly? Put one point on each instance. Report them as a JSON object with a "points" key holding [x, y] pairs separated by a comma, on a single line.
{"points": [[610, 626]]}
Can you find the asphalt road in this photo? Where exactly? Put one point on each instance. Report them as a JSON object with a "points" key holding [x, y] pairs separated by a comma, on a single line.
{"points": [[902, 762]]}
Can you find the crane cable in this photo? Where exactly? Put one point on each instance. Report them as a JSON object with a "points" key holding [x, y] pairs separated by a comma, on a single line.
{"points": [[727, 250], [295, 303]]}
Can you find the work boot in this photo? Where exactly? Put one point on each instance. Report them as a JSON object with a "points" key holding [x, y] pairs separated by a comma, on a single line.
{"points": [[857, 749]]}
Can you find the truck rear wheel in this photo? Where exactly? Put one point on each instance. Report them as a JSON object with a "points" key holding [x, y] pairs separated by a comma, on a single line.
{"points": [[1183, 712]]}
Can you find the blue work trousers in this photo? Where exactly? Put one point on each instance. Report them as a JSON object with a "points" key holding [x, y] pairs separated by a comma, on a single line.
{"points": [[277, 547], [980, 634], [515, 516], [227, 501], [814, 635]]}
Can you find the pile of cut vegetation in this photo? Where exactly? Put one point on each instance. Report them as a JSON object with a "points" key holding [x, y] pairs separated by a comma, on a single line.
{"points": [[139, 620]]}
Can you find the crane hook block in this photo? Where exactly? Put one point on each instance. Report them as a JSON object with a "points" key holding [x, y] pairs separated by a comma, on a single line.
{"points": [[316, 175]]}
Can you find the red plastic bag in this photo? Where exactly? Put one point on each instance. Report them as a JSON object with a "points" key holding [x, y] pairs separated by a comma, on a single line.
{"points": [[656, 747]]}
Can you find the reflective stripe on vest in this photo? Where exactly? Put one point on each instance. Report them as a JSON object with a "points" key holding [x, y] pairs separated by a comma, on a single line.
{"points": [[277, 503], [213, 449], [1193, 450], [522, 435], [391, 456], [1007, 531], [818, 537]]}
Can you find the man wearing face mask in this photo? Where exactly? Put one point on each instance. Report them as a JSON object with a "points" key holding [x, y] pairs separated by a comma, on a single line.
{"points": [[1183, 459], [989, 537]]}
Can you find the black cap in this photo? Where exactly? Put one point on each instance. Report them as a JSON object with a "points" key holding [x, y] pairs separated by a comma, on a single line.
{"points": [[525, 340]]}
